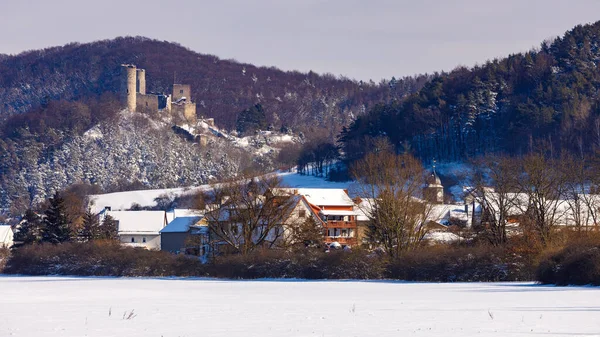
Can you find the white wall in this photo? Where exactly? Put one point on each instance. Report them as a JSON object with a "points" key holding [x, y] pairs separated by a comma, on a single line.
{"points": [[152, 240]]}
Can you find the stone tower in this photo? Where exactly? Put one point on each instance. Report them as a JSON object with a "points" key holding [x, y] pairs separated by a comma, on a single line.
{"points": [[180, 91], [434, 191], [141, 81], [128, 86]]}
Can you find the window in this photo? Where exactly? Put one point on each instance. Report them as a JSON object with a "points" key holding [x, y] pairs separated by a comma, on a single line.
{"points": [[132, 240], [144, 240], [146, 103], [344, 232], [181, 91], [302, 213]]}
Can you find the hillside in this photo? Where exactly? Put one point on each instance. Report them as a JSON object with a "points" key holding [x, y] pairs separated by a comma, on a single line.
{"points": [[222, 88], [60, 122], [543, 99]]}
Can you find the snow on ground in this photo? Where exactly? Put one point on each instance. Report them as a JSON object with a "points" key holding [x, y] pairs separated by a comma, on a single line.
{"points": [[67, 306], [120, 201], [293, 179], [146, 198]]}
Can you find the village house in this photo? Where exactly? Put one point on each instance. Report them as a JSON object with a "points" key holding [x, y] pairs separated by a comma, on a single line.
{"points": [[334, 210], [138, 228], [6, 236], [581, 211], [186, 232]]}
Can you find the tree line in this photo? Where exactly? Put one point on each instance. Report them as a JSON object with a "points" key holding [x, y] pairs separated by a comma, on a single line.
{"points": [[57, 224], [542, 98]]}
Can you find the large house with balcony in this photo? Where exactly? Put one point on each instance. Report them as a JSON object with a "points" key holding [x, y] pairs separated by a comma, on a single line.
{"points": [[333, 209]]}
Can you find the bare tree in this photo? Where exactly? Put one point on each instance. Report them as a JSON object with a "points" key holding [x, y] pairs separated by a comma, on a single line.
{"points": [[390, 185], [495, 188], [245, 215], [543, 183], [580, 188]]}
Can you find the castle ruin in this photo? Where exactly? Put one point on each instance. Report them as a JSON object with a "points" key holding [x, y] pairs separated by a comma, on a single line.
{"points": [[135, 98]]}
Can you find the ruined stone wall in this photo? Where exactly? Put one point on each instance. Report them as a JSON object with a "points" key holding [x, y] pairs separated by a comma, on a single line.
{"points": [[186, 111], [141, 81], [147, 103], [128, 86], [182, 90]]}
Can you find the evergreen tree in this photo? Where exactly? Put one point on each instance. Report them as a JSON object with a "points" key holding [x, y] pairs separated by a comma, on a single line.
{"points": [[90, 229], [109, 229], [56, 224], [30, 229], [308, 233], [252, 119]]}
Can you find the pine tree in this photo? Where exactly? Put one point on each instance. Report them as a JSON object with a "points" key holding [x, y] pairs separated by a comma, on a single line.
{"points": [[308, 233], [90, 229], [56, 224], [109, 229], [30, 229]]}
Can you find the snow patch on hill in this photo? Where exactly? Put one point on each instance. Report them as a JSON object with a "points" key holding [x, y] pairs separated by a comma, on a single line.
{"points": [[147, 198]]}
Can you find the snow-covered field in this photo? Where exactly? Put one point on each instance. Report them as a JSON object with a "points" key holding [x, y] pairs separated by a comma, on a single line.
{"points": [[64, 306]]}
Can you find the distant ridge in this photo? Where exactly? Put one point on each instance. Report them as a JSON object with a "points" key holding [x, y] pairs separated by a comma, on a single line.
{"points": [[222, 88]]}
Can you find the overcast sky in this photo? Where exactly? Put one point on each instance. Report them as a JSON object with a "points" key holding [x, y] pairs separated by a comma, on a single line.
{"points": [[362, 39]]}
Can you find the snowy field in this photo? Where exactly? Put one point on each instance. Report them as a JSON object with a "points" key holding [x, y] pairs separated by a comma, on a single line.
{"points": [[63, 306]]}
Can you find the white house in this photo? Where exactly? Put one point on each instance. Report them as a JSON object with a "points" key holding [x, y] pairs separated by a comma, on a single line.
{"points": [[6, 236], [140, 228]]}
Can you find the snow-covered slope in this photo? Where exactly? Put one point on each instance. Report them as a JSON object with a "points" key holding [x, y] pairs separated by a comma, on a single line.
{"points": [[146, 198], [63, 306]]}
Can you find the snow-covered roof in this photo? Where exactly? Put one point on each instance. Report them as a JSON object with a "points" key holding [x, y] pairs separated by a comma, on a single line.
{"points": [[180, 212], [139, 222], [442, 237], [364, 208], [320, 196], [181, 224], [6, 235], [440, 213]]}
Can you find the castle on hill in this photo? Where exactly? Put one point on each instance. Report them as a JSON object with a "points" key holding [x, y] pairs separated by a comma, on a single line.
{"points": [[133, 95]]}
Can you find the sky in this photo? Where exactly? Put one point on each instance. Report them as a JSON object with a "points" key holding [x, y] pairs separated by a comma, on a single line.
{"points": [[360, 39]]}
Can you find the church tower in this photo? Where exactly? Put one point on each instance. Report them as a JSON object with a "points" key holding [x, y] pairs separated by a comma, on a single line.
{"points": [[434, 191]]}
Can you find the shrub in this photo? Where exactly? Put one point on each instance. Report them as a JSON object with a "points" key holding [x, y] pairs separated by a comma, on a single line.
{"points": [[4, 255], [306, 264], [99, 258], [455, 264], [576, 264]]}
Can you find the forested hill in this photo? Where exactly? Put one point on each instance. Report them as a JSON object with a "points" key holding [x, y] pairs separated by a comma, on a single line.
{"points": [[222, 88], [543, 98]]}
